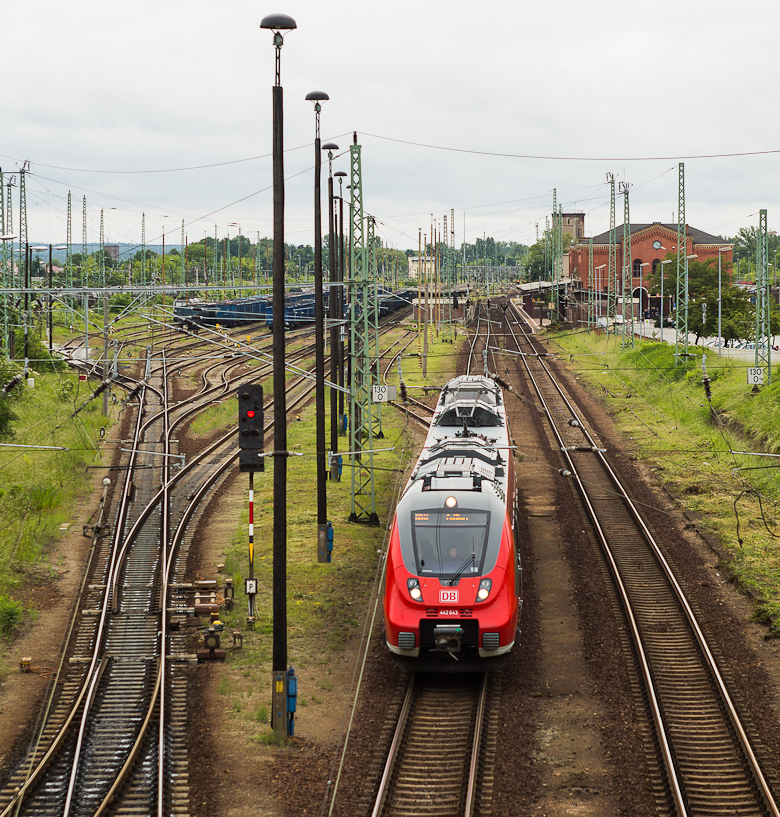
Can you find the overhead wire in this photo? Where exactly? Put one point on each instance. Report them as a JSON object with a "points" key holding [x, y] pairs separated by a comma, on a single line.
{"points": [[572, 158]]}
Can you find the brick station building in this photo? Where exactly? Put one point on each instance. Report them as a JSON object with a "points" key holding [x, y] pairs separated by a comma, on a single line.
{"points": [[650, 244]]}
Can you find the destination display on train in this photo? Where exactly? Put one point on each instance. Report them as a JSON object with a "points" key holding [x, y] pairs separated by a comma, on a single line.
{"points": [[455, 519]]}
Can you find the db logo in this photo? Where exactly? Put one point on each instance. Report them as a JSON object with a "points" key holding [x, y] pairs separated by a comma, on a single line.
{"points": [[448, 596]]}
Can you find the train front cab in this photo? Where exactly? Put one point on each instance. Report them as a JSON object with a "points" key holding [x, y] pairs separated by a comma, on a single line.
{"points": [[452, 611]]}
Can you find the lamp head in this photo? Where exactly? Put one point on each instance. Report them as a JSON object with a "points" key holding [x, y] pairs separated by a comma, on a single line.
{"points": [[339, 173], [278, 22], [316, 97], [330, 146]]}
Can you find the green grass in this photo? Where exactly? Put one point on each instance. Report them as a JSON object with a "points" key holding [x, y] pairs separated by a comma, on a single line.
{"points": [[663, 411], [326, 604], [40, 487]]}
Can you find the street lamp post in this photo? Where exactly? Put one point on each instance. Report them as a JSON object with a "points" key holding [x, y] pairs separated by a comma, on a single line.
{"points": [[319, 341], [27, 265], [51, 297], [598, 270], [332, 311], [278, 23], [721, 250], [3, 238], [687, 258], [341, 175], [641, 316], [667, 261]]}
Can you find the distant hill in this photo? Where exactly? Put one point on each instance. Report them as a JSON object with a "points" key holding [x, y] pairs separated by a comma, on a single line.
{"points": [[125, 250]]}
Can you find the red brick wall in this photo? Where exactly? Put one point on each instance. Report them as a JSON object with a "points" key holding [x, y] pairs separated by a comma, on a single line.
{"points": [[642, 250]]}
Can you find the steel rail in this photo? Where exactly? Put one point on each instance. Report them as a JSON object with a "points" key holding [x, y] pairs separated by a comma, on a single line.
{"points": [[97, 665], [454, 788], [35, 773], [394, 747], [663, 737], [471, 791], [163, 633], [679, 594], [197, 497], [117, 562]]}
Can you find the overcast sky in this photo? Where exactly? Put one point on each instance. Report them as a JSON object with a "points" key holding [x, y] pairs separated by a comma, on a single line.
{"points": [[606, 86]]}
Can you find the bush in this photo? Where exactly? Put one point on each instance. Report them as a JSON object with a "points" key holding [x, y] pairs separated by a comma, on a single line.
{"points": [[39, 355], [10, 615], [7, 416]]}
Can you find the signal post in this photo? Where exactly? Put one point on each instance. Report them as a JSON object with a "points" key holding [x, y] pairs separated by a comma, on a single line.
{"points": [[250, 459]]}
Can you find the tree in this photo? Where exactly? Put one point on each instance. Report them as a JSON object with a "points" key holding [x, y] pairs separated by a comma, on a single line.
{"points": [[702, 278], [745, 245], [488, 251], [738, 320], [539, 264], [195, 253], [738, 315]]}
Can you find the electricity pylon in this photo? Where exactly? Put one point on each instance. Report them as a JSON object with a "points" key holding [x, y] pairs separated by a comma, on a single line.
{"points": [[628, 272], [84, 268], [763, 323], [362, 308], [681, 309], [612, 260]]}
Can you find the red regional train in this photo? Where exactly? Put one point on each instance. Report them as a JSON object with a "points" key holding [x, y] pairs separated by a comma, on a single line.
{"points": [[453, 583]]}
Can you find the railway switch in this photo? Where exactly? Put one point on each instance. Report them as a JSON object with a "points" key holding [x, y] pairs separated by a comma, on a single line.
{"points": [[250, 428]]}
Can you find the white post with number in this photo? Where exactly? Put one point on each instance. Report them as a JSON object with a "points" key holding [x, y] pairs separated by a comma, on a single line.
{"points": [[755, 376]]}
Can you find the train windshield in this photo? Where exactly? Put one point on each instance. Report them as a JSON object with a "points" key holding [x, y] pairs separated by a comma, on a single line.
{"points": [[448, 542]]}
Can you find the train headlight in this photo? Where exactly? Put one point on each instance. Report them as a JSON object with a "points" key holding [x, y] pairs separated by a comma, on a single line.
{"points": [[413, 585], [484, 589]]}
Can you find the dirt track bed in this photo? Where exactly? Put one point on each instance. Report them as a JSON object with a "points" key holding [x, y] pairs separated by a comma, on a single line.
{"points": [[569, 740]]}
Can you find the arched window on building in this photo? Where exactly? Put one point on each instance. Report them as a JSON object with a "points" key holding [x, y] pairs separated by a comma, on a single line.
{"points": [[637, 268]]}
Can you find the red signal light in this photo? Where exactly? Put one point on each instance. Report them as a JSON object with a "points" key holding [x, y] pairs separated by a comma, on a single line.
{"points": [[250, 413]]}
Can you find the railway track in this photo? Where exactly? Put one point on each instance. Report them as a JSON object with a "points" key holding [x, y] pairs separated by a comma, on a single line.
{"points": [[705, 762], [439, 758], [115, 739]]}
